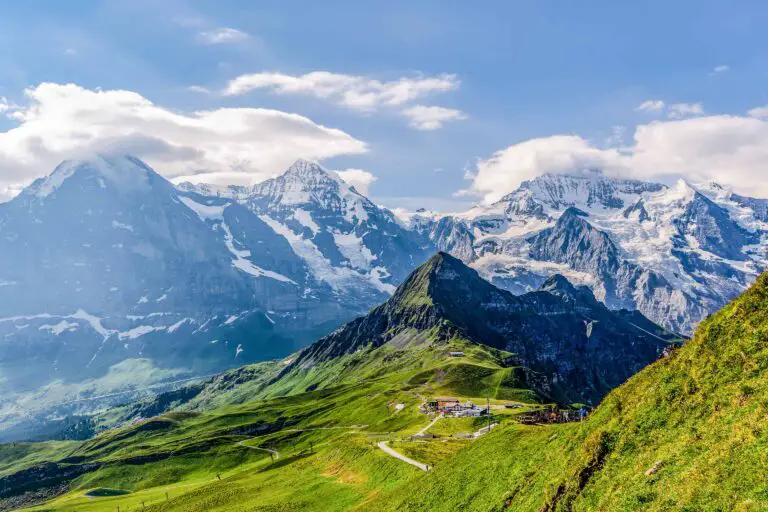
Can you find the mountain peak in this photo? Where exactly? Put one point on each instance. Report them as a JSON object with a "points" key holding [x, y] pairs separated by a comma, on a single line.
{"points": [[305, 168], [560, 286], [419, 287], [557, 283], [128, 173]]}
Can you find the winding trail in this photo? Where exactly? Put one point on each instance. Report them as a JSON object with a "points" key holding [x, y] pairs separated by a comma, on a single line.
{"points": [[274, 452], [424, 430], [398, 455]]}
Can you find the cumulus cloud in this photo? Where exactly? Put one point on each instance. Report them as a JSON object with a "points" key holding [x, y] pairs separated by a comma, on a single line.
{"points": [[65, 121], [424, 117], [359, 93], [222, 35], [722, 68], [759, 112], [358, 178], [506, 169], [731, 150], [650, 106]]}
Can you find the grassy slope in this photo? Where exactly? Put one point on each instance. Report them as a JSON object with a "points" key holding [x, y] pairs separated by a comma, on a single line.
{"points": [[698, 417], [182, 452], [17, 456]]}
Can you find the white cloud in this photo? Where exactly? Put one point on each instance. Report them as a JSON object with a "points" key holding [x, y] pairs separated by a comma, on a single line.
{"points": [[650, 106], [424, 117], [358, 178], [198, 88], [359, 93], [70, 52], [680, 110], [506, 169], [759, 112], [222, 35], [720, 69], [732, 150], [65, 121], [4, 105], [674, 111]]}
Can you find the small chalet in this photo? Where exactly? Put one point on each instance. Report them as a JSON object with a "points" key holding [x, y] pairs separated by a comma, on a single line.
{"points": [[444, 404], [456, 354]]}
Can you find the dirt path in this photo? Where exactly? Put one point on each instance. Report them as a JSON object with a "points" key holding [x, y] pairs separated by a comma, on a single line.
{"points": [[485, 430], [424, 430], [274, 452], [397, 455]]}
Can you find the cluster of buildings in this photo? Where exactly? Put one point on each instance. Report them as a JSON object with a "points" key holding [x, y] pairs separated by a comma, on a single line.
{"points": [[455, 408]]}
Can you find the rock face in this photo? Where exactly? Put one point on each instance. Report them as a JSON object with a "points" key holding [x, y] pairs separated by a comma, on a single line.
{"points": [[561, 332], [675, 253]]}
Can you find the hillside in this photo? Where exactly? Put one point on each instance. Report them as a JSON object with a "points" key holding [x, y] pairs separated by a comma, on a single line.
{"points": [[445, 332], [687, 433]]}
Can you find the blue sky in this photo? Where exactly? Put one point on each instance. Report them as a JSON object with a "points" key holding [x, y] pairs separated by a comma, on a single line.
{"points": [[520, 70]]}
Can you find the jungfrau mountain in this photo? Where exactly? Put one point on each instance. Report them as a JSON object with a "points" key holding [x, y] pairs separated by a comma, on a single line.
{"points": [[676, 253]]}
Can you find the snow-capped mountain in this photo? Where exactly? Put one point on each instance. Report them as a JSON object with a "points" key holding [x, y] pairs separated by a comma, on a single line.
{"points": [[105, 261], [674, 253], [358, 249]]}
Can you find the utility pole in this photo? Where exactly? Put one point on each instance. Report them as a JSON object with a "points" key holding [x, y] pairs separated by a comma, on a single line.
{"points": [[488, 411]]}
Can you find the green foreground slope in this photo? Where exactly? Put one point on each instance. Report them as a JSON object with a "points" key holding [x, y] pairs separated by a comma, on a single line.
{"points": [[687, 433], [325, 438]]}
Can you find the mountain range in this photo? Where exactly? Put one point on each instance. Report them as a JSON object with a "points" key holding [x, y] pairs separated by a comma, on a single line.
{"points": [[675, 253], [116, 281]]}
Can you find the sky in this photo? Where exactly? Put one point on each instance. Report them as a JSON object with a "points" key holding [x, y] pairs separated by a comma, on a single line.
{"points": [[436, 104]]}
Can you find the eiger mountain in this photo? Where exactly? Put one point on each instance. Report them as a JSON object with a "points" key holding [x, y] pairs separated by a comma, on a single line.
{"points": [[674, 253], [574, 346]]}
